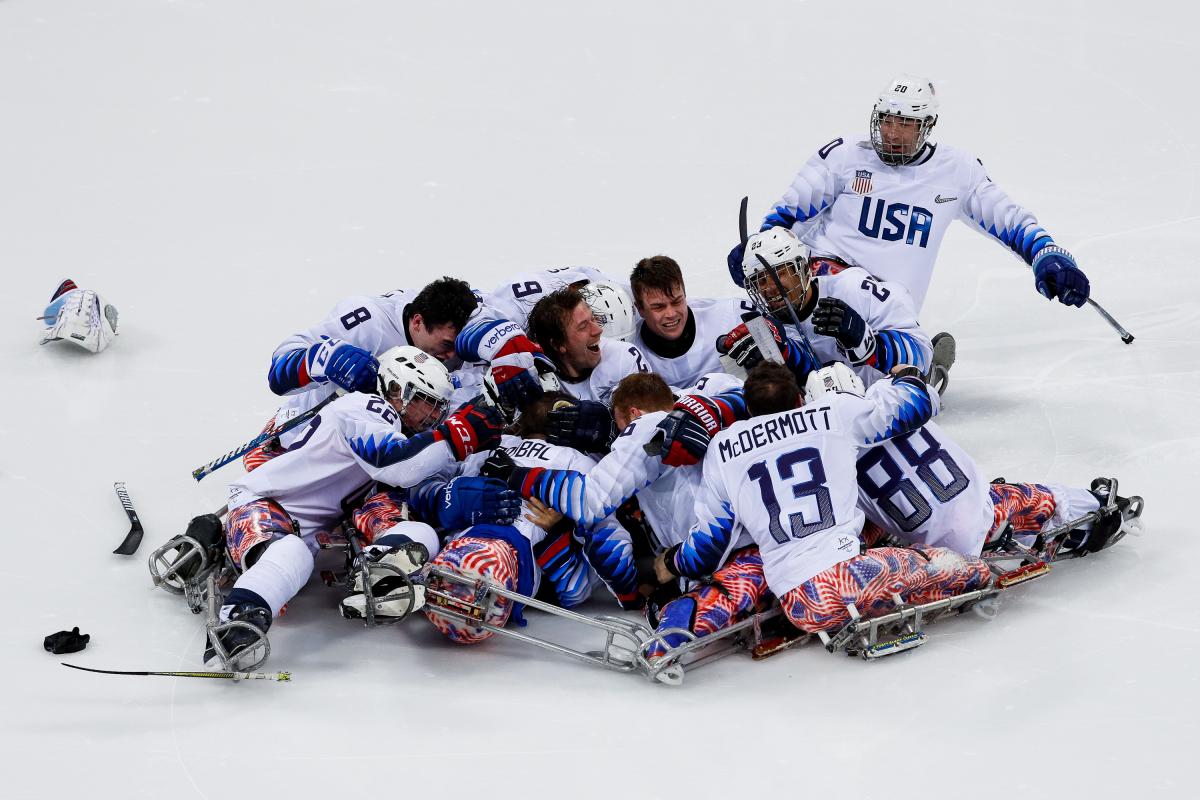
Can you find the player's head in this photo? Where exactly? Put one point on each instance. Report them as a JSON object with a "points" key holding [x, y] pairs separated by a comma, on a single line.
{"points": [[564, 325], [902, 118], [611, 306], [436, 315], [640, 393], [417, 386], [771, 388], [660, 296], [775, 266], [533, 422], [79, 316], [832, 378]]}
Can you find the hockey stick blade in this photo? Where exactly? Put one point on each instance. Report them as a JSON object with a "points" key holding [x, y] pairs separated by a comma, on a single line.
{"points": [[278, 677], [133, 539], [1126, 336], [199, 473], [742, 234]]}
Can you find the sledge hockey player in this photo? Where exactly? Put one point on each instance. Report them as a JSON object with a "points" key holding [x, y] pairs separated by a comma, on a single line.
{"points": [[522, 556], [342, 351], [589, 361], [397, 438], [922, 487], [79, 316], [676, 333], [787, 477], [883, 202], [850, 316]]}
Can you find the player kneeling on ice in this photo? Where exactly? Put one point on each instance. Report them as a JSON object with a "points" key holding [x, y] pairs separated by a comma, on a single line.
{"points": [[922, 487], [787, 477], [79, 316], [560, 565], [397, 438]]}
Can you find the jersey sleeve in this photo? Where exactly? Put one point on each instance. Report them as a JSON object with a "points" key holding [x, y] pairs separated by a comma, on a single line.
{"points": [[892, 315], [889, 408], [361, 321], [711, 538], [813, 190], [608, 548], [999, 216], [391, 457], [589, 496]]}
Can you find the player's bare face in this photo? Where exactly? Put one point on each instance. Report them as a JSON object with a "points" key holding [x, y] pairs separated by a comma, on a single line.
{"points": [[437, 341], [419, 414], [899, 134], [580, 351], [665, 314]]}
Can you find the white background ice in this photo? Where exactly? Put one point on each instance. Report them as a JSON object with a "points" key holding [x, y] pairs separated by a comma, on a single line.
{"points": [[224, 172]]}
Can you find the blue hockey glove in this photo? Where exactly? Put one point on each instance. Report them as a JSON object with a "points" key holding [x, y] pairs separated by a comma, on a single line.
{"points": [[467, 501], [734, 260], [1055, 274], [343, 364], [584, 425]]}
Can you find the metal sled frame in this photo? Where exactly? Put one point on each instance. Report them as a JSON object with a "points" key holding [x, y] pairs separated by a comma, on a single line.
{"points": [[355, 557], [164, 571], [249, 659], [624, 639]]}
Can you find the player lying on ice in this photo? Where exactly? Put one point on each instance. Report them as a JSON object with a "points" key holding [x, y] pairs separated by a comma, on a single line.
{"points": [[398, 438], [524, 556]]}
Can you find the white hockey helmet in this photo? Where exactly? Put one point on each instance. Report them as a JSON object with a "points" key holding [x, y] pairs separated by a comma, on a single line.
{"points": [[909, 98], [417, 385], [612, 306], [775, 271], [546, 377], [79, 316], [835, 377]]}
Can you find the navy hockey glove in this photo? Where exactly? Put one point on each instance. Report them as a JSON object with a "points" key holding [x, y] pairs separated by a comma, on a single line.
{"points": [[584, 425], [474, 427], [341, 363], [498, 465], [690, 426], [734, 260], [833, 318], [1055, 274], [467, 501], [740, 346]]}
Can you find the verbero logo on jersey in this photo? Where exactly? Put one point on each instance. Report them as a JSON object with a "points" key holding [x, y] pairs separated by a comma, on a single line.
{"points": [[501, 333]]}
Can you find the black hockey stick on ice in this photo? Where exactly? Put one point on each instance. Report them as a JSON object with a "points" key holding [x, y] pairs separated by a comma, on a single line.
{"points": [[1126, 336], [200, 473], [134, 538], [279, 677]]}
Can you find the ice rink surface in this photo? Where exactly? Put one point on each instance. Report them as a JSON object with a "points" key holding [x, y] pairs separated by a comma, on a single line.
{"points": [[224, 172]]}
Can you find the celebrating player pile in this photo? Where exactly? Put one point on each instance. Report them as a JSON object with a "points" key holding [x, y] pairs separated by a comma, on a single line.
{"points": [[768, 460]]}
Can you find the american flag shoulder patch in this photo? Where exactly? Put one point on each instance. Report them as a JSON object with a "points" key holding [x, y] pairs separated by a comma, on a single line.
{"points": [[862, 181]]}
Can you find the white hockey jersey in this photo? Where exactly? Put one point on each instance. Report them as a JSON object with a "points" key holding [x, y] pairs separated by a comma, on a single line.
{"points": [[355, 441], [682, 362], [617, 359], [516, 297], [890, 220], [789, 480], [887, 309], [922, 487]]}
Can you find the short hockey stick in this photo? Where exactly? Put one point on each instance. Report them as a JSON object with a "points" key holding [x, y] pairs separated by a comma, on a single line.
{"points": [[278, 677], [233, 455], [1126, 336], [134, 538]]}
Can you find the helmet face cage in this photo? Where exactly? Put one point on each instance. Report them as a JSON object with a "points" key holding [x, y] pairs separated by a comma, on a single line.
{"points": [[890, 156], [768, 290], [419, 410]]}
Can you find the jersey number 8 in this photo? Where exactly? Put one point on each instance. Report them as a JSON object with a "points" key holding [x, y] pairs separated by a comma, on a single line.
{"points": [[885, 493]]}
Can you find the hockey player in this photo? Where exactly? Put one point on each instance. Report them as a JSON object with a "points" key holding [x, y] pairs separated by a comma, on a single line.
{"points": [[883, 202], [851, 316], [787, 476], [922, 487], [79, 316], [398, 438], [589, 365], [342, 351], [522, 556], [676, 334]]}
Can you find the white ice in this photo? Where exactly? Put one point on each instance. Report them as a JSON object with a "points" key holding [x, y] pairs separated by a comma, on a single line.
{"points": [[225, 171]]}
